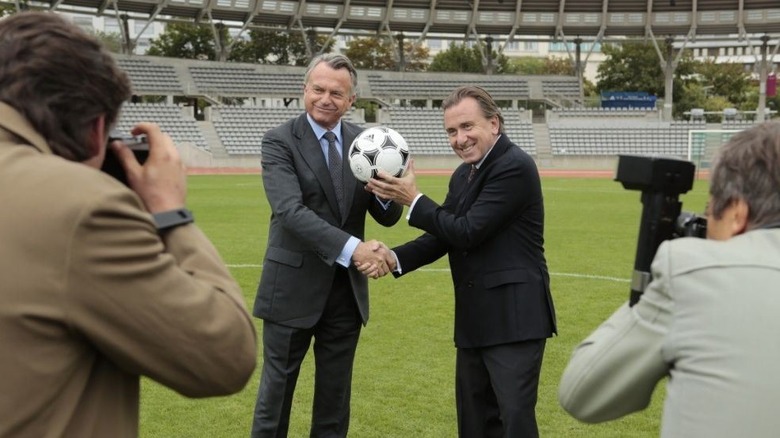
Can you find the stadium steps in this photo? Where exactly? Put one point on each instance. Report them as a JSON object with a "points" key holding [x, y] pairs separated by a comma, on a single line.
{"points": [[212, 139], [543, 149]]}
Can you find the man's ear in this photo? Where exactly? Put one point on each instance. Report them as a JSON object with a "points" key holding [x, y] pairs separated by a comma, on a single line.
{"points": [[97, 135], [739, 213]]}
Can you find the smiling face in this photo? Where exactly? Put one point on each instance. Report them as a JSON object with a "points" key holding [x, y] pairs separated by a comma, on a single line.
{"points": [[471, 135], [328, 94]]}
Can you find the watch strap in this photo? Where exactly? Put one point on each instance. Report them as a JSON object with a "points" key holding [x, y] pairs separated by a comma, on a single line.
{"points": [[166, 220]]}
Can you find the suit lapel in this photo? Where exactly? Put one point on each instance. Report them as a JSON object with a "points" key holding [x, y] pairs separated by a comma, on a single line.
{"points": [[348, 134], [311, 151], [470, 190]]}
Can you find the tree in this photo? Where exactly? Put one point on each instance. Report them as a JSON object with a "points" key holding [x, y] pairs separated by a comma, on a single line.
{"points": [[382, 54], [463, 59], [634, 66], [184, 40], [8, 9], [531, 65], [277, 47], [728, 80], [112, 41]]}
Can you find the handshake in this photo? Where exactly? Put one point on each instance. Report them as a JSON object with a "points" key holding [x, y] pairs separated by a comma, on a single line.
{"points": [[374, 259]]}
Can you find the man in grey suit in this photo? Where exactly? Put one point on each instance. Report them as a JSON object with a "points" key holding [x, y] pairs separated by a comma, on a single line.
{"points": [[491, 225], [708, 319], [309, 286]]}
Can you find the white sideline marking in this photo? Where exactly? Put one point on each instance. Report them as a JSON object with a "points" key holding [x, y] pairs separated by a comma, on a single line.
{"points": [[558, 274]]}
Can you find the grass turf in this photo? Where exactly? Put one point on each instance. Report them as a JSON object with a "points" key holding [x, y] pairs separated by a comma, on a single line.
{"points": [[403, 383]]}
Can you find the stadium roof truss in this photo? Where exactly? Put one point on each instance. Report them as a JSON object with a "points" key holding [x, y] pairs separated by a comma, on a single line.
{"points": [[503, 20], [675, 23]]}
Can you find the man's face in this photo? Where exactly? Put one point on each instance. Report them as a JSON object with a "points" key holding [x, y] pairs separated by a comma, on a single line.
{"points": [[471, 134], [328, 94]]}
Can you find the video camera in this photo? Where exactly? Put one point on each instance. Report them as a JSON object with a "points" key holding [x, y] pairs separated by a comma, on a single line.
{"points": [[661, 181]]}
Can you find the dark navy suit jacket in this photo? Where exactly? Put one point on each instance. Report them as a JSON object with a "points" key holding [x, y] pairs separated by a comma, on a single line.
{"points": [[492, 229]]}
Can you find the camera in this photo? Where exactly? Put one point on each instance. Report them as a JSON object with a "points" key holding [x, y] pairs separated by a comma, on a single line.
{"points": [[661, 181], [138, 144]]}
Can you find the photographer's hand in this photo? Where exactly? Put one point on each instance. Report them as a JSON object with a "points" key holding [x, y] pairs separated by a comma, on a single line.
{"points": [[161, 181]]}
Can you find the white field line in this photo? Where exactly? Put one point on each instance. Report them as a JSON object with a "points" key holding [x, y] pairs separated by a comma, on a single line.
{"points": [[553, 274]]}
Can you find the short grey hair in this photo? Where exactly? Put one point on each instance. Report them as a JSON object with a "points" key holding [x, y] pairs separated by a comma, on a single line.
{"points": [[335, 61], [747, 168]]}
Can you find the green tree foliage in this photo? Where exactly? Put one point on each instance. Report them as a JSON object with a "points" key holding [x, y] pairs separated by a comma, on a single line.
{"points": [[280, 47], [8, 9], [111, 40], [531, 65], [463, 59], [634, 66], [381, 54], [727, 80], [371, 53], [184, 40]]}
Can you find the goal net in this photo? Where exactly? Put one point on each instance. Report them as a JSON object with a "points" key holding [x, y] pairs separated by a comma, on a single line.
{"points": [[704, 143]]}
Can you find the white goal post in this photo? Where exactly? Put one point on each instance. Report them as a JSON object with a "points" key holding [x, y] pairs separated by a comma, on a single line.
{"points": [[703, 143]]}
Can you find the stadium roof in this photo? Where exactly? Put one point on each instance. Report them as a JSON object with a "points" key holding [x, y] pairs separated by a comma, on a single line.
{"points": [[503, 20]]}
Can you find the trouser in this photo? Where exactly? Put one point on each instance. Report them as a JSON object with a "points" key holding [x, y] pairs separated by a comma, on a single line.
{"points": [[284, 348], [496, 390]]}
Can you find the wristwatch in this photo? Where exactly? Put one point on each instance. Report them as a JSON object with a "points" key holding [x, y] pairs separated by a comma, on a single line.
{"points": [[165, 220]]}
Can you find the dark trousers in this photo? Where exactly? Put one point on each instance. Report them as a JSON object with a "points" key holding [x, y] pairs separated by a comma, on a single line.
{"points": [[284, 348], [496, 390]]}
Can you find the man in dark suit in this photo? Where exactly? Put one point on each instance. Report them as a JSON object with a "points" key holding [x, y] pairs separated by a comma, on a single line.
{"points": [[309, 287], [491, 226]]}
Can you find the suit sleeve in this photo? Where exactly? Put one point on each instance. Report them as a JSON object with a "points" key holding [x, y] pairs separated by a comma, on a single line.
{"points": [[282, 182], [615, 370], [168, 310], [509, 190]]}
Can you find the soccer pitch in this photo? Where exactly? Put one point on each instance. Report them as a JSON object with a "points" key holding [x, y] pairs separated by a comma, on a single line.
{"points": [[403, 383]]}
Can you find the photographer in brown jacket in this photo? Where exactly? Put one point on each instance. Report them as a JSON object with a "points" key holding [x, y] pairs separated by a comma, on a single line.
{"points": [[99, 283]]}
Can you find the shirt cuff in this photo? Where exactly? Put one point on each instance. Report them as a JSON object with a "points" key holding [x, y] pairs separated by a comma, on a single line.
{"points": [[345, 257], [411, 207]]}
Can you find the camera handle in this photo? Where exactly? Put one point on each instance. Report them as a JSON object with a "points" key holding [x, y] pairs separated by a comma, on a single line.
{"points": [[659, 213]]}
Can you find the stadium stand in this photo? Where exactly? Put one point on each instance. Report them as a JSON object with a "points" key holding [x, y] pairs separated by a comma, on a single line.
{"points": [[421, 86], [424, 132], [245, 81], [241, 128], [151, 78], [170, 118], [236, 131], [609, 137]]}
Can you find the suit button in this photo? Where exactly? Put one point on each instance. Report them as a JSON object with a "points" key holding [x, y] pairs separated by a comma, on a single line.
{"points": [[465, 253], [470, 284]]}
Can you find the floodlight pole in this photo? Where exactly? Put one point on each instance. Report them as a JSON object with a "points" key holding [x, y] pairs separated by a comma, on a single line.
{"points": [[763, 73]]}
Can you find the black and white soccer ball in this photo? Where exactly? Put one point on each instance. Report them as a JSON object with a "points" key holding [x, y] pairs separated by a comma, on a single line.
{"points": [[378, 148]]}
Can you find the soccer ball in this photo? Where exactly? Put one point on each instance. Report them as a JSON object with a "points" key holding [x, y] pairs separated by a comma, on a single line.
{"points": [[378, 148]]}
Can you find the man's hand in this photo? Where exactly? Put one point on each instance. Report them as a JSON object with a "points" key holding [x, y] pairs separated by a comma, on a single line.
{"points": [[378, 262], [161, 182], [402, 190]]}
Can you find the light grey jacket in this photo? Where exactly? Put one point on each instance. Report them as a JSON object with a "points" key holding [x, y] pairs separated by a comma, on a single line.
{"points": [[708, 320]]}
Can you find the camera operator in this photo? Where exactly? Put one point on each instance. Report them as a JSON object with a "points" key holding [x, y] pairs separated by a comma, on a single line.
{"points": [[708, 318], [100, 284]]}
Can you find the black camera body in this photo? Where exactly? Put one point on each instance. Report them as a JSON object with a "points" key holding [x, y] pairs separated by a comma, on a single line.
{"points": [[661, 181], [111, 165]]}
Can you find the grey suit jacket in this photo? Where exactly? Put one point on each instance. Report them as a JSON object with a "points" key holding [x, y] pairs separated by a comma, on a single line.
{"points": [[709, 321], [492, 230], [307, 232]]}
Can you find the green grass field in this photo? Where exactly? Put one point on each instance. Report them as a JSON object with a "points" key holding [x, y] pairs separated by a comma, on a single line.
{"points": [[403, 384]]}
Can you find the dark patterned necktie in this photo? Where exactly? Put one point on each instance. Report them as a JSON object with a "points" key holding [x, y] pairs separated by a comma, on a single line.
{"points": [[334, 165], [472, 172]]}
